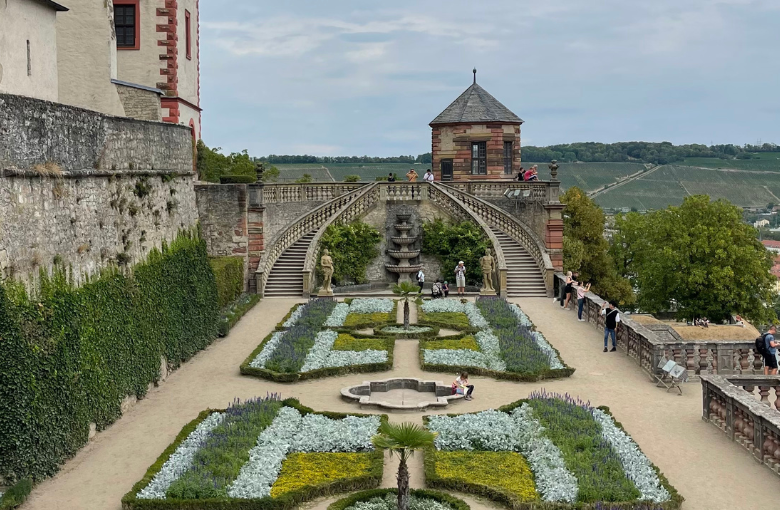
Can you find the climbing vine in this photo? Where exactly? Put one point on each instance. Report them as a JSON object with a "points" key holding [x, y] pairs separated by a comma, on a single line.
{"points": [[69, 356], [352, 248]]}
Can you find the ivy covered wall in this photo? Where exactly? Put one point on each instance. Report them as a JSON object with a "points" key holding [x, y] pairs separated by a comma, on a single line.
{"points": [[69, 356]]}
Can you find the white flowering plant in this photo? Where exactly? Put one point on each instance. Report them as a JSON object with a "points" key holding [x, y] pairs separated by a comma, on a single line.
{"points": [[371, 305]]}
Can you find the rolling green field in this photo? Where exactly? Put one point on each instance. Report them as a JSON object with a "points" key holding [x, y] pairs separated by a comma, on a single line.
{"points": [[588, 176], [671, 183], [337, 171], [766, 161]]}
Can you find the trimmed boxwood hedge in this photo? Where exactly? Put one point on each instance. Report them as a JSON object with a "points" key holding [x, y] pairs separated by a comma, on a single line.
{"points": [[285, 502], [229, 275], [271, 375], [280, 324], [69, 356], [453, 502], [433, 480], [233, 313], [16, 495]]}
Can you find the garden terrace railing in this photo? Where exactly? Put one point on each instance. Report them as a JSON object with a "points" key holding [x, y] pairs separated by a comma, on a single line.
{"points": [[442, 196], [363, 200], [403, 191], [741, 407], [648, 344], [317, 192], [501, 220], [538, 191], [305, 224]]}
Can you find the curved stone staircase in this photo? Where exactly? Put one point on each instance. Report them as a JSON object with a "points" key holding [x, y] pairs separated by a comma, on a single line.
{"points": [[523, 278], [286, 276]]}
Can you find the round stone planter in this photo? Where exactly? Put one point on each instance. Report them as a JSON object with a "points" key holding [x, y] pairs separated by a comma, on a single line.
{"points": [[401, 394]]}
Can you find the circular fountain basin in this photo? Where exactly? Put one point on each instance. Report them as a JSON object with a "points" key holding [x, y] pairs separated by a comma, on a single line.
{"points": [[412, 254], [402, 269], [404, 217], [404, 227], [403, 240], [400, 394]]}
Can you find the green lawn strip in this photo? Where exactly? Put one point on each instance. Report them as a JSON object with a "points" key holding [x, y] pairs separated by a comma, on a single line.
{"points": [[218, 462], [347, 342], [358, 497], [447, 320], [586, 453], [16, 494]]}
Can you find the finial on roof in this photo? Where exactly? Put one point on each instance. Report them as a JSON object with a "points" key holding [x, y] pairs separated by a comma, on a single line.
{"points": [[475, 75]]}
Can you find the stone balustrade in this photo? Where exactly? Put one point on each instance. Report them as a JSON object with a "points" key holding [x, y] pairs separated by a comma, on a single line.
{"points": [[317, 191], [359, 205], [538, 191], [306, 223], [647, 345], [495, 217], [741, 407]]}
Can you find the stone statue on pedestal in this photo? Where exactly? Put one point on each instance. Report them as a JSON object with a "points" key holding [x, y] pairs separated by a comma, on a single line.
{"points": [[488, 266], [327, 273]]}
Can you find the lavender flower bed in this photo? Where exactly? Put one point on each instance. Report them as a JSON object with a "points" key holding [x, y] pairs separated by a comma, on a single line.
{"points": [[577, 453], [239, 453], [291, 351]]}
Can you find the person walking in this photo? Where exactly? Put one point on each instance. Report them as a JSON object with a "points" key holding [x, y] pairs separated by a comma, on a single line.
{"points": [[611, 320], [421, 279], [770, 352], [428, 177], [411, 175], [582, 289], [460, 278]]}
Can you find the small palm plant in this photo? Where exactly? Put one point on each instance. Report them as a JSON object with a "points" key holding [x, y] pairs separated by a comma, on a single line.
{"points": [[403, 439], [405, 289]]}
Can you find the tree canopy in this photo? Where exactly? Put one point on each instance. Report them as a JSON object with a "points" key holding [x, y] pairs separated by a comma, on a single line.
{"points": [[698, 259], [586, 251], [212, 164]]}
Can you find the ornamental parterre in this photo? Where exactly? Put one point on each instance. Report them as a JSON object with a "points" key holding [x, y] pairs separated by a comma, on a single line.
{"points": [[306, 348], [263, 448], [508, 345], [577, 455]]}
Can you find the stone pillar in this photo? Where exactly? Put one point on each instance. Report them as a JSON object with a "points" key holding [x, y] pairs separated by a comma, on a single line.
{"points": [[255, 222]]}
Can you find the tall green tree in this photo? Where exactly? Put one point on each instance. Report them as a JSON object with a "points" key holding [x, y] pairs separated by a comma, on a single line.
{"points": [[352, 246], [452, 242], [212, 164], [402, 440], [586, 250], [699, 259]]}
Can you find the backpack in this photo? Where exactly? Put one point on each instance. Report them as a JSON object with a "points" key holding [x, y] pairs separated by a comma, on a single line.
{"points": [[761, 345]]}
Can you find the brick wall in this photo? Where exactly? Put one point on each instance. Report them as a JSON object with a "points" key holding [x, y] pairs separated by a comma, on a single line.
{"points": [[454, 142]]}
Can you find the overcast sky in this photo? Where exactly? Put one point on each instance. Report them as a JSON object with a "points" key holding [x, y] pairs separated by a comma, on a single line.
{"points": [[355, 77]]}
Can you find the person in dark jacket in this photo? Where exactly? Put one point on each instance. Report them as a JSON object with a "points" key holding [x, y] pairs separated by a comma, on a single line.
{"points": [[611, 320]]}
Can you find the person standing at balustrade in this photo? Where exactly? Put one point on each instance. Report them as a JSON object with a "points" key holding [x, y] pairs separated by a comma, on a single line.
{"points": [[411, 175]]}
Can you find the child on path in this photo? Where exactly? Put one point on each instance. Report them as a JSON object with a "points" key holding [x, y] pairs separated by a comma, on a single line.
{"points": [[461, 386]]}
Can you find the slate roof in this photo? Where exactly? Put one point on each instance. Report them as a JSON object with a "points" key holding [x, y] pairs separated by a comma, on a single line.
{"points": [[476, 105]]}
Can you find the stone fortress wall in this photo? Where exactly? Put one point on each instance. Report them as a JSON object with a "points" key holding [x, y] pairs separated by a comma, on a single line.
{"points": [[86, 189]]}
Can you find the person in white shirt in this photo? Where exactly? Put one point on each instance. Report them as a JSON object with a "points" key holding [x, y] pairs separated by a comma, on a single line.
{"points": [[421, 279], [461, 386], [460, 278], [428, 177], [611, 320]]}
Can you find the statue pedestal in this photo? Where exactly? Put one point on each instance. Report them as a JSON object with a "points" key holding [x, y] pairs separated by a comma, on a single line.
{"points": [[325, 293], [486, 292]]}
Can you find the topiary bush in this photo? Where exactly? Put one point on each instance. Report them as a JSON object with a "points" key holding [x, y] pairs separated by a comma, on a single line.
{"points": [[453, 242], [69, 356], [352, 248], [351, 178], [229, 275]]}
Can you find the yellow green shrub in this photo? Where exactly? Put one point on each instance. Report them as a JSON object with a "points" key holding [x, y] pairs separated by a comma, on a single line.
{"points": [[367, 320], [300, 470], [467, 342], [346, 342], [453, 320], [507, 472]]}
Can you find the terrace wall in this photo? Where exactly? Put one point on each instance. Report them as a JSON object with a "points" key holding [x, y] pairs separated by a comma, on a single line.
{"points": [[648, 346], [86, 189]]}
